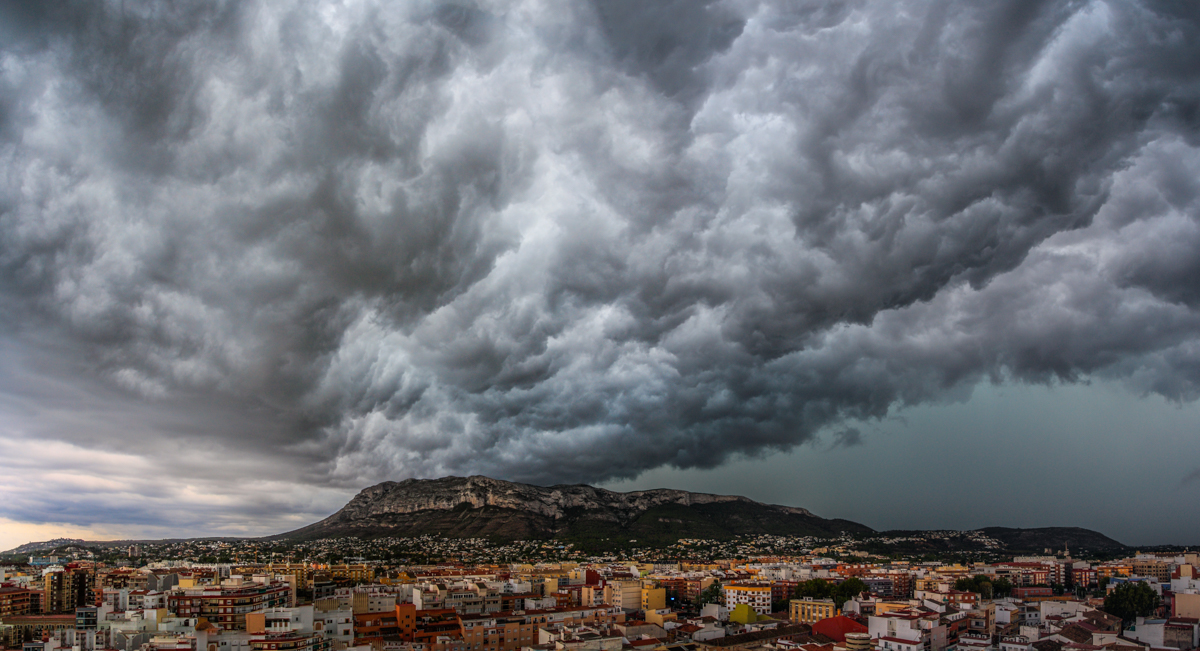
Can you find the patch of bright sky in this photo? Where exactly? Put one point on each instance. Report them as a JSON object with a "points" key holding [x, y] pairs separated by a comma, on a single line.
{"points": [[14, 534]]}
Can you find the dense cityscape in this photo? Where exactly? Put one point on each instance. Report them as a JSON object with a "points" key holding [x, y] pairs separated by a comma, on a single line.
{"points": [[429, 593]]}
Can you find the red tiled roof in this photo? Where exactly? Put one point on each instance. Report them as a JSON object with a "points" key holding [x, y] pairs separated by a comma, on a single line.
{"points": [[837, 627]]}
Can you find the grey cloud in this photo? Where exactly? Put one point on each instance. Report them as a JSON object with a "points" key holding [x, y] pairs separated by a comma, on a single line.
{"points": [[573, 243], [668, 42], [847, 438]]}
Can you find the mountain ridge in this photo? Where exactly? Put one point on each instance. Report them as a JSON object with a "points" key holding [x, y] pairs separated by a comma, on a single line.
{"points": [[480, 506], [482, 491]]}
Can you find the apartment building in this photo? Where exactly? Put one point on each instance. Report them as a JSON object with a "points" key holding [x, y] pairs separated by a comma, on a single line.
{"points": [[512, 631], [123, 578], [67, 590], [300, 628], [227, 605], [755, 595], [289, 642], [653, 599], [26, 628], [15, 601], [905, 629], [810, 611], [625, 594]]}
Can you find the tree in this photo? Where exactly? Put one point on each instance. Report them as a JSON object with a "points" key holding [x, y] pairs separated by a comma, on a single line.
{"points": [[980, 583], [987, 589], [711, 595], [1131, 600], [847, 590], [1002, 587], [839, 593], [816, 588]]}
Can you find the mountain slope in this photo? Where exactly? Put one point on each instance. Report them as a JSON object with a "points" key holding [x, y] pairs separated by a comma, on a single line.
{"points": [[1053, 538], [481, 507], [37, 547]]}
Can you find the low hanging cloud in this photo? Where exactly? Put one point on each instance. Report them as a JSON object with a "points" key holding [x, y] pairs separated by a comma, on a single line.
{"points": [[573, 241]]}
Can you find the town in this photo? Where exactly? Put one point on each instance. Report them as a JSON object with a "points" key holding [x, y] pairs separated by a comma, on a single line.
{"points": [[766, 593]]}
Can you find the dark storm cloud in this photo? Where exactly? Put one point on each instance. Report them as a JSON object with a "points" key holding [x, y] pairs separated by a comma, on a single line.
{"points": [[574, 241]]}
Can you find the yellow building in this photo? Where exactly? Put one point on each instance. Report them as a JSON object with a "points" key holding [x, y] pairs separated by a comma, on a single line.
{"points": [[358, 573], [1160, 570], [810, 611], [302, 571], [933, 584], [883, 607], [744, 614], [660, 617], [1111, 570], [654, 599], [955, 571]]}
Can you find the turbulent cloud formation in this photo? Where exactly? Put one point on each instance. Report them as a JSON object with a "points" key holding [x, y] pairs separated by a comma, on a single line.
{"points": [[571, 241]]}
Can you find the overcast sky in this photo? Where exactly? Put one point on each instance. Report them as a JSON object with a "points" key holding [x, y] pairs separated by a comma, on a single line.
{"points": [[919, 264]]}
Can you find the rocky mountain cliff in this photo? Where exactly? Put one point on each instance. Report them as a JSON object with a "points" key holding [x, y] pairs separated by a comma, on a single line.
{"points": [[500, 510]]}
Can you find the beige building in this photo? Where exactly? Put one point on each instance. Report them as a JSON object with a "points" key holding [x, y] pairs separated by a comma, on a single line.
{"points": [[1186, 605], [1152, 567], [626, 595]]}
